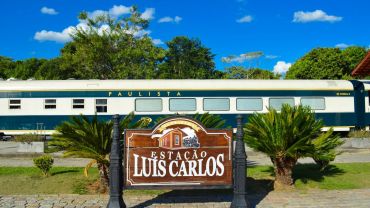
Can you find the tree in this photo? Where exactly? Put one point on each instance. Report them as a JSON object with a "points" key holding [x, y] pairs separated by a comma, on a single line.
{"points": [[353, 55], [110, 48], [287, 136], [187, 59], [91, 138], [239, 72], [6, 66], [51, 70], [320, 63], [26, 69], [327, 63]]}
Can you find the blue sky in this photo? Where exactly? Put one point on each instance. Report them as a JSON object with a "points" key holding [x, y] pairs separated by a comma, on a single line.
{"points": [[283, 30]]}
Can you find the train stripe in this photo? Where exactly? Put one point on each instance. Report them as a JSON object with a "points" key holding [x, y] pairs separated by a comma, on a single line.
{"points": [[50, 122], [222, 93]]}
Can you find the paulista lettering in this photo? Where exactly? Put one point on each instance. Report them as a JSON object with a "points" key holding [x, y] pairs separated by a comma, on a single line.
{"points": [[176, 164], [144, 94]]}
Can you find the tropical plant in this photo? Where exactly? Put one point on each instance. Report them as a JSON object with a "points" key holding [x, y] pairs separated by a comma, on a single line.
{"points": [[287, 136], [213, 121], [206, 119], [44, 163], [324, 148], [91, 138]]}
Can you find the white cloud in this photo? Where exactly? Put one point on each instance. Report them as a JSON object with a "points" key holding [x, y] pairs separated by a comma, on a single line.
{"points": [[50, 11], [245, 19], [342, 45], [281, 67], [315, 16], [157, 42], [148, 14], [242, 57], [97, 13], [139, 32], [60, 37], [115, 11], [176, 19], [119, 10], [271, 56]]}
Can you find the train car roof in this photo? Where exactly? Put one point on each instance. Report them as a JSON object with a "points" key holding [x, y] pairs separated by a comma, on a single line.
{"points": [[97, 85], [366, 84]]}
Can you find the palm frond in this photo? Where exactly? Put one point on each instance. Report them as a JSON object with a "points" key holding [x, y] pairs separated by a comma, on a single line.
{"points": [[88, 166], [288, 133], [84, 137], [128, 122], [211, 121]]}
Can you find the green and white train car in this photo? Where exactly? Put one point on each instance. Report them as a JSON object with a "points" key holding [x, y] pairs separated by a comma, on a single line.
{"points": [[38, 106]]}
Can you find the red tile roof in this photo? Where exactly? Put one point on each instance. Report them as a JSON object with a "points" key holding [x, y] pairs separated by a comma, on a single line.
{"points": [[363, 69]]}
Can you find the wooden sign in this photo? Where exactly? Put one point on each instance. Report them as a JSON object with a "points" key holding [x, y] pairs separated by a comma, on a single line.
{"points": [[178, 153]]}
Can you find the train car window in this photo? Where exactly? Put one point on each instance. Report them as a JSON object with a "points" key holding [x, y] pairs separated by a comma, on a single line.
{"points": [[276, 103], [216, 104], [15, 104], [50, 103], [101, 105], [314, 103], [249, 104], [183, 104], [148, 105], [78, 103]]}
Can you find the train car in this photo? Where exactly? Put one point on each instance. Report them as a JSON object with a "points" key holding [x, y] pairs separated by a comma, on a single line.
{"points": [[38, 106]]}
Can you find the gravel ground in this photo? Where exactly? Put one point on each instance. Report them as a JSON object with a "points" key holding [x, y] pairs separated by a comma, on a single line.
{"points": [[359, 198]]}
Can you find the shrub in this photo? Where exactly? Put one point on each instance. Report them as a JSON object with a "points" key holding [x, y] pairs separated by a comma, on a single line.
{"points": [[44, 163], [288, 135], [28, 138], [325, 149]]}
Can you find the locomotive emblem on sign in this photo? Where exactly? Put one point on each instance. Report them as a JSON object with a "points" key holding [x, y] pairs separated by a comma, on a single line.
{"points": [[178, 152], [177, 138]]}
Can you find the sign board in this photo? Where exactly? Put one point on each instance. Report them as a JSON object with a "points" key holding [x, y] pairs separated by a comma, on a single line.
{"points": [[178, 153]]}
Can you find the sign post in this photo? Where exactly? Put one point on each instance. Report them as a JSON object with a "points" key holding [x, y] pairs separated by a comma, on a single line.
{"points": [[178, 153], [115, 169], [239, 198]]}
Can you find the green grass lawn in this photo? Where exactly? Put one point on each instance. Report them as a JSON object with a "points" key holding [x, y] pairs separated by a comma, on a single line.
{"points": [[65, 180], [308, 176], [29, 180]]}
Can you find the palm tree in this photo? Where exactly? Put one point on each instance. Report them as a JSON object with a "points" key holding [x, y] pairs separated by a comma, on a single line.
{"points": [[91, 138], [325, 147], [210, 120], [287, 136], [206, 119]]}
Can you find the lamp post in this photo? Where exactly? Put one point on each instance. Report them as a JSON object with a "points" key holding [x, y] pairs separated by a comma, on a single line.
{"points": [[115, 169], [239, 195]]}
